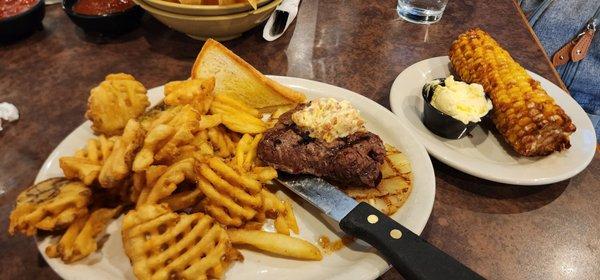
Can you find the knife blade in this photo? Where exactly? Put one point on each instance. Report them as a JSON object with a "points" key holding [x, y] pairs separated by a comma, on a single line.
{"points": [[321, 194], [411, 255]]}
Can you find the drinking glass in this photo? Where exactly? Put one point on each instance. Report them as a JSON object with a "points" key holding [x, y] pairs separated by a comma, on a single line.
{"points": [[421, 11]]}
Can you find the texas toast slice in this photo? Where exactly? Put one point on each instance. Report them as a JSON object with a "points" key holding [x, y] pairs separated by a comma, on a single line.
{"points": [[238, 79]]}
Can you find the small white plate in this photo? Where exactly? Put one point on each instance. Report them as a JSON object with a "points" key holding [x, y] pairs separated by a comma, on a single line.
{"points": [[355, 262], [486, 155]]}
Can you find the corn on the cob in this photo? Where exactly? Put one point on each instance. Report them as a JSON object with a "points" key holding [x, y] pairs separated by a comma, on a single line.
{"points": [[523, 112]]}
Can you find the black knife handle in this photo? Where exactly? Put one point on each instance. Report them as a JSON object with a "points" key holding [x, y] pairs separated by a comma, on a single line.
{"points": [[411, 255]]}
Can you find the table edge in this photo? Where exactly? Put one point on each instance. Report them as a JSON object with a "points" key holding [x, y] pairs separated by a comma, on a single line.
{"points": [[539, 44]]}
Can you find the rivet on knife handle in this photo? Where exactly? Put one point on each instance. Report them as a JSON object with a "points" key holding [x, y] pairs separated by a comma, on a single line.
{"points": [[411, 255]]}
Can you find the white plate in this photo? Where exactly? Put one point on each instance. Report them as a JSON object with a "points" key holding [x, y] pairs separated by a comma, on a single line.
{"points": [[486, 155], [356, 262]]}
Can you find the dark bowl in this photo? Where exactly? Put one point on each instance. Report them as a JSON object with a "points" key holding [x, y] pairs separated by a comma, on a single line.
{"points": [[22, 24], [439, 123], [111, 24]]}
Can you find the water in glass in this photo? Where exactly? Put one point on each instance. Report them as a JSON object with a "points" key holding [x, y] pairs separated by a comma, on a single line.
{"points": [[421, 11]]}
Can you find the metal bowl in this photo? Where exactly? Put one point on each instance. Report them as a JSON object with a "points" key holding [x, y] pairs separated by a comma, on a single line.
{"points": [[439, 123]]}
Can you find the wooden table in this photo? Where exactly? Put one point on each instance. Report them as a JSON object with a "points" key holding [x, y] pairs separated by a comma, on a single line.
{"points": [[501, 231]]}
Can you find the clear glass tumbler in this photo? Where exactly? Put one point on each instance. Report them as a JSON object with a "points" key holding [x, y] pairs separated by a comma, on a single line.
{"points": [[421, 11]]}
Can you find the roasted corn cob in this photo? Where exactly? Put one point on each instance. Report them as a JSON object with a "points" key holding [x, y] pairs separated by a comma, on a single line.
{"points": [[523, 112]]}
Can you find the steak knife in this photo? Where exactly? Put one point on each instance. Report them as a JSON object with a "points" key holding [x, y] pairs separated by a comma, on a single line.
{"points": [[411, 255]]}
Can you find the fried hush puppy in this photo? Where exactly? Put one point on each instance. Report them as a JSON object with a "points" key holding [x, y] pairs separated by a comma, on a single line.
{"points": [[119, 98]]}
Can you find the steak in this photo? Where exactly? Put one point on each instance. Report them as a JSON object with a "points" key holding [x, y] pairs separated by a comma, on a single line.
{"points": [[354, 160]]}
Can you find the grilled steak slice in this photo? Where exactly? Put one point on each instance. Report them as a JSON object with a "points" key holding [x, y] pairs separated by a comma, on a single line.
{"points": [[351, 161]]}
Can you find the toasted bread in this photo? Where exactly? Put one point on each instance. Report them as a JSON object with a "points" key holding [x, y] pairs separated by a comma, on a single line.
{"points": [[238, 79]]}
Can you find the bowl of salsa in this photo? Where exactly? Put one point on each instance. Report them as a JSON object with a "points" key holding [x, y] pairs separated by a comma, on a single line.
{"points": [[111, 17], [20, 17]]}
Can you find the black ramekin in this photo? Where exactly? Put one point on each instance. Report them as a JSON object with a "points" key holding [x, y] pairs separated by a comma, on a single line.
{"points": [[110, 24], [22, 24], [439, 123]]}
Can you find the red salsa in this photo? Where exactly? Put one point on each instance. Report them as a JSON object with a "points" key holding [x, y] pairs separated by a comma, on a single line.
{"points": [[9, 8], [101, 7]]}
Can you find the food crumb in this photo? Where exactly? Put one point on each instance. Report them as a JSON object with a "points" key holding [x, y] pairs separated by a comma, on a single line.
{"points": [[330, 247]]}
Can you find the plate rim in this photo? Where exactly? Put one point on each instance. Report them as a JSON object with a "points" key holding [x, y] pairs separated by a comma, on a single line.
{"points": [[442, 155], [293, 82]]}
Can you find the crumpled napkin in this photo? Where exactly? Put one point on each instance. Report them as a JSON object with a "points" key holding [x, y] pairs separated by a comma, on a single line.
{"points": [[8, 112]]}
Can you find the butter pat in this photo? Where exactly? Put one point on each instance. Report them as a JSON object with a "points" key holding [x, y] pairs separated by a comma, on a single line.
{"points": [[329, 119], [462, 101], [8, 112]]}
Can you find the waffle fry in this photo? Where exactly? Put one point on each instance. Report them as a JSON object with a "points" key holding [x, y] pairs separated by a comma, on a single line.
{"points": [[225, 171], [221, 214], [67, 241], [201, 137], [158, 116], [196, 92], [49, 205], [263, 174], [138, 185], [166, 184], [290, 218], [171, 149], [240, 149], [186, 126], [183, 199], [146, 179], [185, 118], [232, 197], [83, 169], [166, 137], [79, 240], [164, 245], [251, 155], [281, 225], [272, 205], [185, 152], [280, 210], [118, 165], [85, 165], [245, 151], [208, 121], [97, 150], [205, 149], [155, 137], [221, 141]]}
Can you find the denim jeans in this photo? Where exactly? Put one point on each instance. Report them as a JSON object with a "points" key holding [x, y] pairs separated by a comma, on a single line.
{"points": [[596, 123], [556, 22]]}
